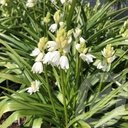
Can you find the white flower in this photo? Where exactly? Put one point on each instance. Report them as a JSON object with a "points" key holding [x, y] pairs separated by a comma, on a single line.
{"points": [[61, 23], [39, 57], [3, 2], [111, 59], [82, 40], [103, 67], [52, 58], [87, 57], [67, 49], [53, 27], [77, 33], [55, 58], [77, 46], [62, 1], [70, 1], [34, 87], [35, 52], [47, 58], [52, 1], [64, 64], [52, 46], [37, 67], [30, 3]]}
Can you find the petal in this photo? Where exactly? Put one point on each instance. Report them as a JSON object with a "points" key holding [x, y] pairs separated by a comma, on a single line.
{"points": [[47, 58], [37, 67], [62, 1], [35, 52], [64, 63], [77, 46], [53, 27], [39, 57], [52, 46], [82, 40], [55, 57]]}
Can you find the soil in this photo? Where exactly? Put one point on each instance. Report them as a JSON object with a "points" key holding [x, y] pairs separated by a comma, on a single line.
{"points": [[17, 124]]}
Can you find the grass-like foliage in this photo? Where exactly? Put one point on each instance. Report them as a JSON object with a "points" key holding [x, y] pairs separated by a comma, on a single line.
{"points": [[69, 62]]}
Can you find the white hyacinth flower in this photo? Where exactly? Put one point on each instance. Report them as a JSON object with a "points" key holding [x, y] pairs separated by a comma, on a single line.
{"points": [[37, 67], [52, 46], [103, 67], [64, 63], [53, 27], [55, 58], [77, 46], [34, 87], [111, 59], [30, 3], [3, 2], [47, 58], [77, 33], [39, 57], [82, 40], [87, 57], [63, 1], [35, 52]]}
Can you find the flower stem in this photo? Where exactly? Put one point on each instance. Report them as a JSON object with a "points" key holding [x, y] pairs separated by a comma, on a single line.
{"points": [[63, 93], [78, 66], [50, 94]]}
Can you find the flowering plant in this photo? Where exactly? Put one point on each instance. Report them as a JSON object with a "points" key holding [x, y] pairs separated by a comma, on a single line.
{"points": [[68, 59]]}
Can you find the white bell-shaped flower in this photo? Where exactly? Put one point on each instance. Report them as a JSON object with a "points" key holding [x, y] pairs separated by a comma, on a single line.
{"points": [[34, 87], [47, 58], [77, 33], [63, 1], [55, 58], [39, 57], [37, 67], [52, 46], [53, 27], [87, 57], [64, 63], [103, 67], [35, 52], [30, 3]]}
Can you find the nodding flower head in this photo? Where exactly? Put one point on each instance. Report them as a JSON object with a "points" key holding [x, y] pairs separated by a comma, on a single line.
{"points": [[34, 87]]}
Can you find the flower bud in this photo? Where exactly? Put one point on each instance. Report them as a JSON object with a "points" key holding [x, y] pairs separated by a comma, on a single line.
{"points": [[42, 42], [57, 16], [47, 18]]}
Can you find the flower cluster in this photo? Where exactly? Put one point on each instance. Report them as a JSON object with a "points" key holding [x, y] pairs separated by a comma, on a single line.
{"points": [[57, 17], [39, 53], [81, 48], [109, 56], [58, 49], [53, 52]]}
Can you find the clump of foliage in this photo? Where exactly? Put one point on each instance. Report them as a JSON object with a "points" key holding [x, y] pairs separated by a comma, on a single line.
{"points": [[70, 61]]}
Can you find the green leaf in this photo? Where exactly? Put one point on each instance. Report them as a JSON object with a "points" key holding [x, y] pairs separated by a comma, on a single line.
{"points": [[37, 123], [83, 124]]}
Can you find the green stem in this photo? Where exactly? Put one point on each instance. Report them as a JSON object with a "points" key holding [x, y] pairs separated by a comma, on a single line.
{"points": [[63, 93], [78, 67], [49, 92]]}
